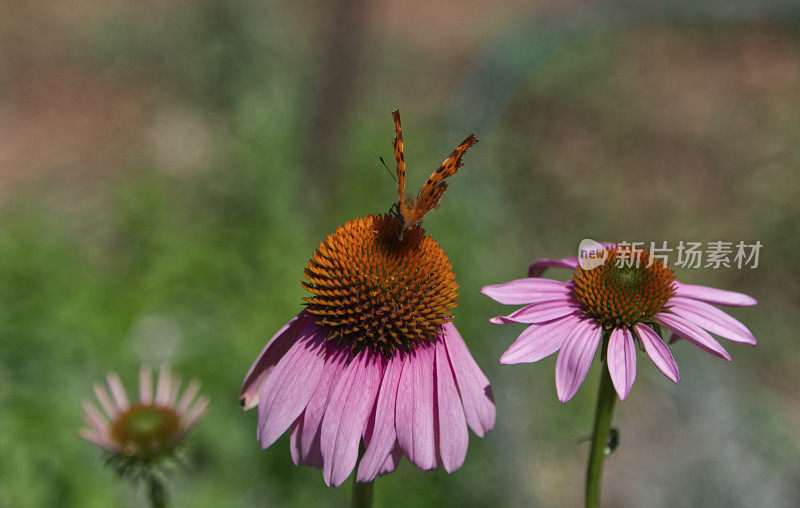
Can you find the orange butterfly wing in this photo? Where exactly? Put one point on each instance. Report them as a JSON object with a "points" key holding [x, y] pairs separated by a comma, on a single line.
{"points": [[400, 158], [431, 193]]}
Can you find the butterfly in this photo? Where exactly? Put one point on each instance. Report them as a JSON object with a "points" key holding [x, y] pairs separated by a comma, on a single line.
{"points": [[411, 210]]}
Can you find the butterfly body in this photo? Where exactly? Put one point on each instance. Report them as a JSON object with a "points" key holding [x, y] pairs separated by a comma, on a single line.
{"points": [[412, 209]]}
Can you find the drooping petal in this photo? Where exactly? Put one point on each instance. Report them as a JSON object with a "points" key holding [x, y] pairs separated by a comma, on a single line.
{"points": [[540, 312], [346, 416], [452, 437], [383, 438], [538, 342], [285, 393], [524, 291], [712, 319], [294, 443], [621, 359], [269, 357], [476, 393], [392, 461], [414, 413], [538, 267], [299, 457], [310, 435], [657, 351], [714, 295], [693, 333], [575, 358]]}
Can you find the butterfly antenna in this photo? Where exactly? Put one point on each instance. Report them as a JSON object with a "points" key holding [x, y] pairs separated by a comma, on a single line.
{"points": [[387, 169]]}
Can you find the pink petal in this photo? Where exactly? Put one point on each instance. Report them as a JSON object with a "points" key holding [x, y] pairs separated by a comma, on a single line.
{"points": [[658, 352], [163, 386], [538, 267], [98, 439], [268, 359], [117, 391], [310, 432], [346, 416], [196, 412], [285, 393], [476, 393], [712, 319], [524, 291], [692, 333], [383, 437], [540, 298], [414, 415], [105, 400], [174, 390], [294, 445], [191, 391], [539, 312], [713, 295], [538, 342], [575, 358], [453, 437], [93, 417], [621, 360], [145, 385], [392, 461]]}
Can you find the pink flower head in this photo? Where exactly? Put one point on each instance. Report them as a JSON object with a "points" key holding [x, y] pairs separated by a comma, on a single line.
{"points": [[630, 296], [375, 357], [150, 428]]}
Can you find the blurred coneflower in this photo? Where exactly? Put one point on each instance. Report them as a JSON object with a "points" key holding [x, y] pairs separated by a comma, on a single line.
{"points": [[627, 297], [374, 359], [143, 438]]}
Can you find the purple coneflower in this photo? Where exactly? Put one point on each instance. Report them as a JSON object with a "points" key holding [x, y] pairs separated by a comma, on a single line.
{"points": [[624, 295], [147, 429], [630, 296], [143, 438], [374, 356]]}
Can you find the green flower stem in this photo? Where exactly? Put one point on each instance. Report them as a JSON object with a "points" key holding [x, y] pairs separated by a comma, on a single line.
{"points": [[157, 492], [362, 492], [606, 398]]}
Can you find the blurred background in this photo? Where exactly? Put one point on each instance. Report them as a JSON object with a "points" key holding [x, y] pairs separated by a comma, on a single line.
{"points": [[167, 167]]}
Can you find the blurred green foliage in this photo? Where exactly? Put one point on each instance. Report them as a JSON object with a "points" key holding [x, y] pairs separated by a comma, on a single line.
{"points": [[199, 269]]}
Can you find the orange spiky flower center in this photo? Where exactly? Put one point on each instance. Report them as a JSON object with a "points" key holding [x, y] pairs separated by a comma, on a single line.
{"points": [[628, 288], [372, 287], [146, 431]]}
